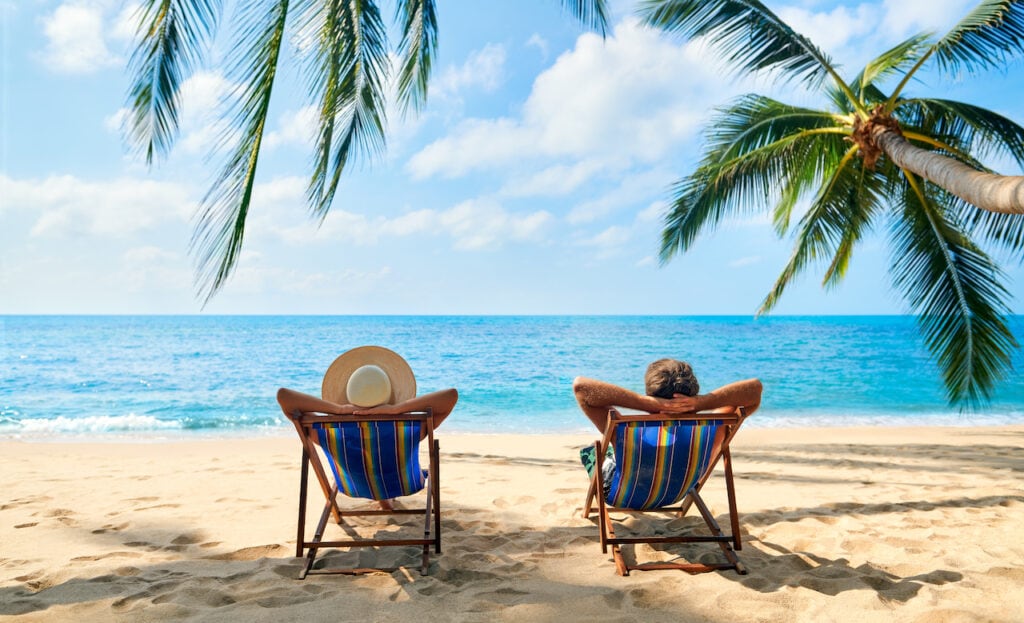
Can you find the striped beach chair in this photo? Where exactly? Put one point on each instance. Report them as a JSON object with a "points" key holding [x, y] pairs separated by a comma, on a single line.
{"points": [[376, 457], [662, 461]]}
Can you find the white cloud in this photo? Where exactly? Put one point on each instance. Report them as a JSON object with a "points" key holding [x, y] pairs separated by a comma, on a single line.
{"points": [[472, 225], [66, 205], [559, 179], [612, 236], [202, 98], [905, 17], [126, 22], [202, 129], [631, 97], [474, 144], [152, 267], [75, 39], [631, 188], [115, 122], [539, 42], [297, 127], [482, 224], [622, 237], [748, 260], [832, 30], [608, 242], [647, 260], [854, 34], [652, 213], [483, 69], [260, 279]]}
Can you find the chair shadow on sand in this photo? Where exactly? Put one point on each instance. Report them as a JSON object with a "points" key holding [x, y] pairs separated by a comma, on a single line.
{"points": [[774, 566], [485, 546]]}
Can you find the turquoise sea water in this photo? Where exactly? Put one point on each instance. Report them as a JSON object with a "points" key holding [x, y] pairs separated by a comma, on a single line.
{"points": [[169, 376]]}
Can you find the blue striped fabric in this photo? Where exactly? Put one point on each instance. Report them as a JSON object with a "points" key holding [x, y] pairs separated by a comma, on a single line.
{"points": [[375, 460], [656, 463]]}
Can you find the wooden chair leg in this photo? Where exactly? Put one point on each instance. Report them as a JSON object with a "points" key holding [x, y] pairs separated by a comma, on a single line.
{"points": [[590, 500], [424, 567], [300, 538], [436, 475], [589, 505], [601, 504], [716, 530], [730, 487], [314, 545]]}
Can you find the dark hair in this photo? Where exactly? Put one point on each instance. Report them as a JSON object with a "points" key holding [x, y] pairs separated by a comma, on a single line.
{"points": [[668, 377]]}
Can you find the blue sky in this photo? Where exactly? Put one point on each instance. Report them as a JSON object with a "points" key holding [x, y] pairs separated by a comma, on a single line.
{"points": [[532, 183]]}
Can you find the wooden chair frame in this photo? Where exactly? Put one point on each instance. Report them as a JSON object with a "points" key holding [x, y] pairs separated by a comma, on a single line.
{"points": [[729, 543], [431, 511]]}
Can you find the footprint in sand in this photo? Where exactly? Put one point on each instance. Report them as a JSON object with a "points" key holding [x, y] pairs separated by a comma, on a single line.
{"points": [[187, 539], [32, 499], [211, 598], [156, 506], [125, 572], [105, 556], [252, 553], [29, 576], [149, 547], [110, 528]]}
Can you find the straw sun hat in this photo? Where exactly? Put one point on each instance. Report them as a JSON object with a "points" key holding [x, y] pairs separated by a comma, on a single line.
{"points": [[369, 376]]}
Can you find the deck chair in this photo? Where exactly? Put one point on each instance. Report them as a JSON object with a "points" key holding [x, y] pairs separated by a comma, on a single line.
{"points": [[368, 456], [662, 461]]}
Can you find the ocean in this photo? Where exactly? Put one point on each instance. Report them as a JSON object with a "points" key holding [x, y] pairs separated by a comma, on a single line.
{"points": [[160, 377]]}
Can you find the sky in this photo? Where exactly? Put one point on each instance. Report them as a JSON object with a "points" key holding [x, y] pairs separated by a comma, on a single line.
{"points": [[533, 182]]}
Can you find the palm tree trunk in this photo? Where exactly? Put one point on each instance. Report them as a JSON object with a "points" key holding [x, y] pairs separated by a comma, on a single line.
{"points": [[988, 191]]}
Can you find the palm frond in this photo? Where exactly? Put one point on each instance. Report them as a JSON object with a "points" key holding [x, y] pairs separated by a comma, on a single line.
{"points": [[896, 59], [591, 13], [957, 294], [862, 194], [837, 219], [220, 228], [351, 66], [971, 129], [868, 97], [172, 39], [757, 149], [753, 121], [986, 38], [1004, 231], [417, 50], [750, 37]]}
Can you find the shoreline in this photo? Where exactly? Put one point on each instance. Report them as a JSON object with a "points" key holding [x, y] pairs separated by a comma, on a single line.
{"points": [[914, 524], [218, 434]]}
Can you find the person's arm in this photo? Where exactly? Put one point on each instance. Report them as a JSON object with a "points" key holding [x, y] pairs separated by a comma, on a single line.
{"points": [[440, 402], [725, 399], [596, 397], [292, 401]]}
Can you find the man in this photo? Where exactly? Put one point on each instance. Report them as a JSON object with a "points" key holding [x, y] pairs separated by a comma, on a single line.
{"points": [[671, 387]]}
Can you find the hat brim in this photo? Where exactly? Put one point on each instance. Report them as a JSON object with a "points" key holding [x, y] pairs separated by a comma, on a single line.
{"points": [[403, 383]]}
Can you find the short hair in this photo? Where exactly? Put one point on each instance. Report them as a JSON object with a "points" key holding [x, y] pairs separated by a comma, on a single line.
{"points": [[668, 377]]}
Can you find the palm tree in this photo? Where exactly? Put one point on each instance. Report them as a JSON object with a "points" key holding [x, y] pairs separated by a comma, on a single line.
{"points": [[868, 160], [349, 72]]}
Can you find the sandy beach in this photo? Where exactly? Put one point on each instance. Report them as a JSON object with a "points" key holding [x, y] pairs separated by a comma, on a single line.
{"points": [[882, 524]]}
